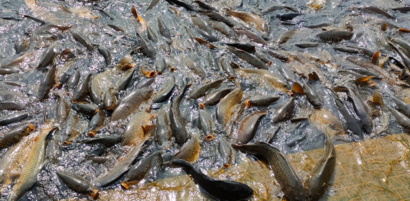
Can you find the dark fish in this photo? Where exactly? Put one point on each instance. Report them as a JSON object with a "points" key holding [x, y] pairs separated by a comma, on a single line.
{"points": [[248, 126], [202, 90], [85, 108], [244, 46], [401, 119], [152, 34], [82, 90], [5, 105], [287, 16], [77, 183], [12, 136], [116, 28], [165, 92], [248, 58], [47, 57], [360, 109], [217, 17], [362, 50], [284, 174], [351, 121], [208, 37], [261, 100], [53, 150], [335, 35], [73, 80], [307, 44], [318, 182], [108, 141], [182, 4], [163, 133], [215, 96], [312, 96], [106, 54], [7, 71], [225, 190], [12, 118], [47, 83], [138, 171], [176, 121], [146, 47], [163, 29], [376, 10], [402, 9], [402, 106], [251, 36], [204, 5], [284, 112], [96, 123], [78, 37], [401, 52], [131, 103], [347, 50]]}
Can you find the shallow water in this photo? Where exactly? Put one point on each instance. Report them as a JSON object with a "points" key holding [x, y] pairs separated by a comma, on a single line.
{"points": [[91, 19]]}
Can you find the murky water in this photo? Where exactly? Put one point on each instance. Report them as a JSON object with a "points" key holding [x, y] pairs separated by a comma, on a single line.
{"points": [[111, 25]]}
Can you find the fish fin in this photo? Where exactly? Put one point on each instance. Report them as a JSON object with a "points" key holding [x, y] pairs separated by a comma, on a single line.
{"points": [[375, 57], [363, 79], [377, 98], [134, 12], [94, 194], [313, 76], [384, 27], [404, 30], [234, 65], [297, 88], [148, 129], [125, 185]]}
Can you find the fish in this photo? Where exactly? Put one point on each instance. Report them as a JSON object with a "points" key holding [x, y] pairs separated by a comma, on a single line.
{"points": [[205, 5], [372, 9], [62, 110], [106, 54], [47, 83], [250, 48], [284, 112], [182, 4], [226, 67], [312, 96], [307, 44], [323, 119], [401, 119], [152, 5], [77, 183], [81, 39], [47, 57], [225, 190], [322, 173], [138, 171], [217, 17], [402, 106], [223, 29], [12, 136], [250, 18], [73, 80], [404, 9], [82, 90], [131, 102], [248, 126], [285, 175], [278, 7], [371, 67], [107, 141], [200, 23], [215, 96], [205, 124], [261, 100], [147, 70], [34, 163], [189, 151], [12, 118], [194, 67], [163, 132], [69, 130], [208, 37], [360, 108], [227, 104], [165, 92], [88, 109], [176, 121], [335, 35], [248, 58], [120, 167], [96, 123], [160, 65], [287, 16], [250, 35], [138, 128], [163, 29], [227, 152], [201, 91], [265, 76], [109, 99]]}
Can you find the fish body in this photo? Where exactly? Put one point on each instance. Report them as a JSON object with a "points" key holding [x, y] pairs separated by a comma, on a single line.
{"points": [[248, 126], [138, 128], [189, 151], [227, 104], [284, 173], [284, 112], [131, 103]]}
